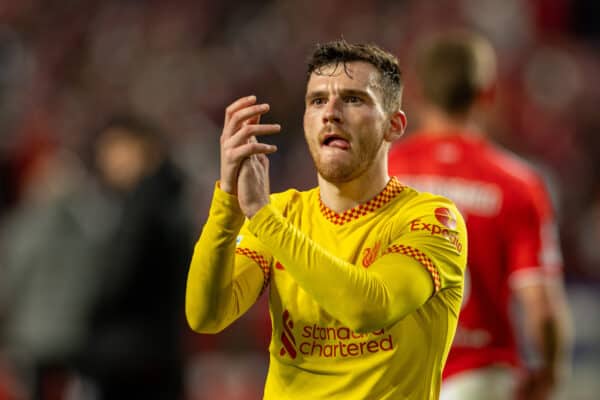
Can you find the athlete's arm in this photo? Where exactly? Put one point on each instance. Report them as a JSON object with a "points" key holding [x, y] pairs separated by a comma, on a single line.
{"points": [[536, 281], [364, 300], [220, 285], [546, 322]]}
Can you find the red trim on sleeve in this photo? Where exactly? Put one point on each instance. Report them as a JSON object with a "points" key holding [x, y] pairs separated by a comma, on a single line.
{"points": [[419, 256], [262, 262]]}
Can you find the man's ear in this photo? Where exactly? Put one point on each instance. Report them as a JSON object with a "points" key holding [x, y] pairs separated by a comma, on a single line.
{"points": [[487, 96], [397, 126]]}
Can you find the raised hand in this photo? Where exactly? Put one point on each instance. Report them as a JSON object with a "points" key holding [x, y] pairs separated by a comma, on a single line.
{"points": [[536, 385], [253, 184], [242, 156]]}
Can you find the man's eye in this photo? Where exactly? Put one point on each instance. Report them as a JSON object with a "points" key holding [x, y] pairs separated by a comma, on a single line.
{"points": [[352, 99], [317, 101]]}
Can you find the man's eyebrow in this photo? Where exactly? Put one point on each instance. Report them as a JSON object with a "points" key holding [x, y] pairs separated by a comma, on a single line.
{"points": [[343, 92], [354, 92], [316, 93]]}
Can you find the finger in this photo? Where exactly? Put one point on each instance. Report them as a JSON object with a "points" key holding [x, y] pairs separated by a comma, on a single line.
{"points": [[237, 105], [238, 118], [267, 165], [259, 163], [264, 160], [242, 116], [253, 120], [247, 132], [242, 152]]}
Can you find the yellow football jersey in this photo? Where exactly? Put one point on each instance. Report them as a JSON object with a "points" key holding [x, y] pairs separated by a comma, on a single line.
{"points": [[324, 345]]}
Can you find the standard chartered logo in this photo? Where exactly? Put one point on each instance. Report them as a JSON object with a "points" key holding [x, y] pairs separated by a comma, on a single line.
{"points": [[287, 336], [332, 342]]}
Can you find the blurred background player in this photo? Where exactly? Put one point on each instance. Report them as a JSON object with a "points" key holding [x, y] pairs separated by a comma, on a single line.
{"points": [[136, 321], [513, 248], [47, 258]]}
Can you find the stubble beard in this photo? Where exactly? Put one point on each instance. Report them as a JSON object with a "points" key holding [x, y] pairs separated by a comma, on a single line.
{"points": [[345, 171], [335, 172]]}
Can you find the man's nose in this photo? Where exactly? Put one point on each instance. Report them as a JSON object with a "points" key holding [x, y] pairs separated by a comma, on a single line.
{"points": [[332, 112]]}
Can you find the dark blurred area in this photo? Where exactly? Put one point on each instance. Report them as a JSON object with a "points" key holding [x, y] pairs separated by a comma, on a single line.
{"points": [[68, 66]]}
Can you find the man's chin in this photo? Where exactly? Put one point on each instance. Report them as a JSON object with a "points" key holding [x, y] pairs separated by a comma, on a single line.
{"points": [[336, 174]]}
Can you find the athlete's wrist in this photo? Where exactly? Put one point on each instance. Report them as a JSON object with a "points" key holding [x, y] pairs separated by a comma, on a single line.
{"points": [[252, 209]]}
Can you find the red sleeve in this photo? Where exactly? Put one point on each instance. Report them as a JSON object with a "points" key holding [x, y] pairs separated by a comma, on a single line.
{"points": [[532, 245]]}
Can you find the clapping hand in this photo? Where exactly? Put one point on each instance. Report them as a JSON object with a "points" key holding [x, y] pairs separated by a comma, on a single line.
{"points": [[244, 164]]}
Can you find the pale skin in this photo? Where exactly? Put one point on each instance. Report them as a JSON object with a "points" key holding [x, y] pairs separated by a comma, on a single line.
{"points": [[547, 325], [347, 129]]}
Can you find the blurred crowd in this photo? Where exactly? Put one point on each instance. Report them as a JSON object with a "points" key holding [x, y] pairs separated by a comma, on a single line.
{"points": [[69, 67]]}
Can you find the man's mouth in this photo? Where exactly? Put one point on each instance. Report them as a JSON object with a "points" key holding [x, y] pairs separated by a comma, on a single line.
{"points": [[334, 140]]}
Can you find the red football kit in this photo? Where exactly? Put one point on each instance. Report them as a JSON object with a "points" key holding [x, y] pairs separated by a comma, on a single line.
{"points": [[511, 232]]}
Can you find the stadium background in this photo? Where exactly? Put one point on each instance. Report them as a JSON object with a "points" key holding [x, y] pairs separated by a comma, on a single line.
{"points": [[66, 65]]}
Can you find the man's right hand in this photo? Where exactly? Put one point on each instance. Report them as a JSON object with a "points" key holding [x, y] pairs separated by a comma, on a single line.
{"points": [[242, 123], [536, 385]]}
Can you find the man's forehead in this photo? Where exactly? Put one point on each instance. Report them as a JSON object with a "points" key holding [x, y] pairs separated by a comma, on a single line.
{"points": [[351, 72]]}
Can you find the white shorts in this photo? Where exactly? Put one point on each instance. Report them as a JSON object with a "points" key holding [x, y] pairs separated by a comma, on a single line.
{"points": [[489, 383]]}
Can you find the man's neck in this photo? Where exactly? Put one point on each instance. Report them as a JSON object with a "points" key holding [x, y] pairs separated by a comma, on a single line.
{"points": [[437, 122], [340, 197]]}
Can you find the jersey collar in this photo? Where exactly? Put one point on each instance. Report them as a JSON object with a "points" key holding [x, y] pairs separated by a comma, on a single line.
{"points": [[391, 190]]}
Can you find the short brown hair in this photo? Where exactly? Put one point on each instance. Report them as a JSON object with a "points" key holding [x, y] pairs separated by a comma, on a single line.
{"points": [[453, 68], [340, 51]]}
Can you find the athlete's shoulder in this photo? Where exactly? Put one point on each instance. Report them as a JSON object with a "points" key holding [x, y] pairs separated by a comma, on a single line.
{"points": [[415, 202], [432, 220], [517, 180], [414, 142], [513, 165], [523, 183], [427, 200]]}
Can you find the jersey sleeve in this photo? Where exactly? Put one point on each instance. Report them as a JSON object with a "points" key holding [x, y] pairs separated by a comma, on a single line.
{"points": [[363, 299], [250, 249], [228, 270], [533, 250], [434, 234]]}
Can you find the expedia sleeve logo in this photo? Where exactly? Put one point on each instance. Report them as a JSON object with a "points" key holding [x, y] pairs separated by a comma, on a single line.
{"points": [[446, 227], [446, 217]]}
